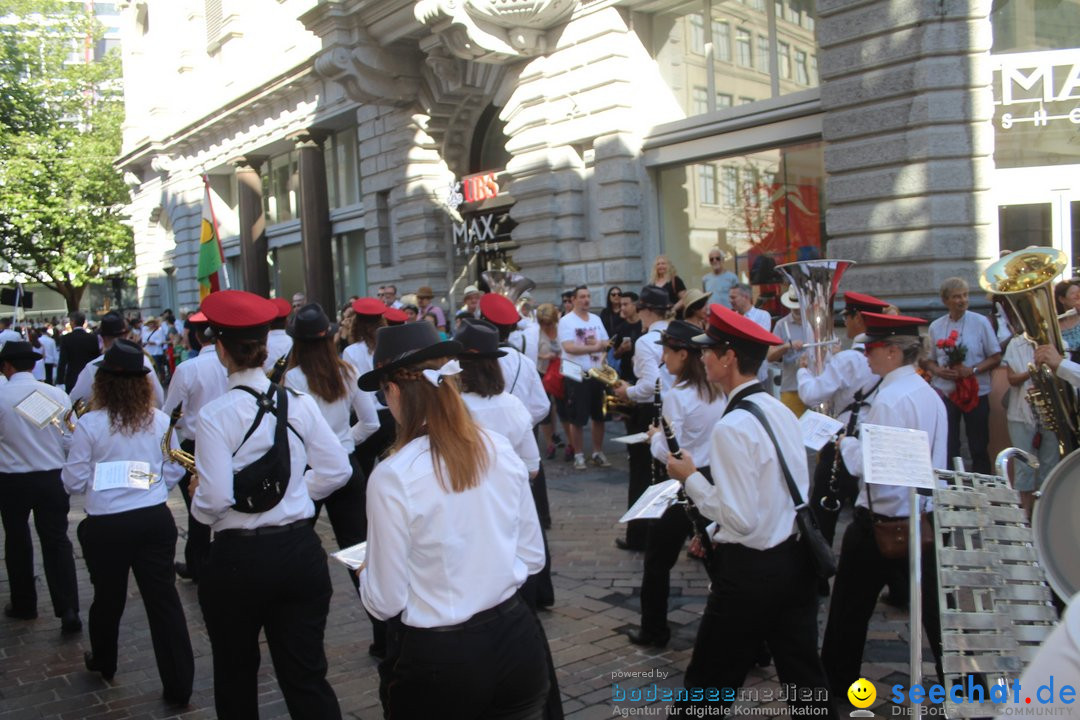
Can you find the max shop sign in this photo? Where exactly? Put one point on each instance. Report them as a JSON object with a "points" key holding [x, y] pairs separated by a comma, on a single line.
{"points": [[1037, 87], [480, 230]]}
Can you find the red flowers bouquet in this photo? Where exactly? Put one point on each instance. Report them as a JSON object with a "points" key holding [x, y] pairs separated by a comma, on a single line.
{"points": [[966, 394]]}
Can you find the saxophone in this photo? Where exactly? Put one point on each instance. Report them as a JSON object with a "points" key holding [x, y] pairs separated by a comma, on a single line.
{"points": [[182, 458]]}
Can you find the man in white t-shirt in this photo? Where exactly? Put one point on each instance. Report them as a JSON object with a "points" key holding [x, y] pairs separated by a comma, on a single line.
{"points": [[584, 342], [742, 302]]}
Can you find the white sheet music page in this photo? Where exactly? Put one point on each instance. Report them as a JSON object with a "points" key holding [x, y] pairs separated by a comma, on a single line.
{"points": [[353, 556], [654, 502], [572, 371], [122, 474], [818, 429], [39, 408], [632, 439], [896, 456]]}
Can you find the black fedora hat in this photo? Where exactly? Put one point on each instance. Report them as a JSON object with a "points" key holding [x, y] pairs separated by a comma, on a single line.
{"points": [[312, 323], [479, 339], [654, 298], [680, 335], [123, 358], [112, 324], [18, 350], [398, 346]]}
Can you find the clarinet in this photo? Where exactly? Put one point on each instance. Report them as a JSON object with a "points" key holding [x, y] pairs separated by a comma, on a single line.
{"points": [[698, 521], [278, 371], [658, 415]]}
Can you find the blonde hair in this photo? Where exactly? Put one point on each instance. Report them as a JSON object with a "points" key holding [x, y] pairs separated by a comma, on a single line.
{"points": [[547, 313], [671, 271]]}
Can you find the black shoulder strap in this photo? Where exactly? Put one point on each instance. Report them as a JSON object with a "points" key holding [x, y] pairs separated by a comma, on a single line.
{"points": [[517, 373], [754, 410], [857, 405], [735, 402], [267, 405]]}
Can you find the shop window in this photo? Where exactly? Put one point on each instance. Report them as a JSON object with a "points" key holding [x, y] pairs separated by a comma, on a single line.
{"points": [[281, 183], [342, 174], [288, 271]]}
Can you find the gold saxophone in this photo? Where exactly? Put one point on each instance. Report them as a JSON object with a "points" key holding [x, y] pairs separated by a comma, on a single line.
{"points": [[181, 457], [610, 378]]}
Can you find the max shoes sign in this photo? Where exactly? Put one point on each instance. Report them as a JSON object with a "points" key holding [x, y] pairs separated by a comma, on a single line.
{"points": [[1037, 88]]}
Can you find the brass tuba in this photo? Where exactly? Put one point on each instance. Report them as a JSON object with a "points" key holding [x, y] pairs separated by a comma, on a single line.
{"points": [[182, 458], [1025, 280], [815, 283]]}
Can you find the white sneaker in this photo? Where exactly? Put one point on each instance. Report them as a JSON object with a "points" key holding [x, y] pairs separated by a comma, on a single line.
{"points": [[579, 461], [599, 460]]}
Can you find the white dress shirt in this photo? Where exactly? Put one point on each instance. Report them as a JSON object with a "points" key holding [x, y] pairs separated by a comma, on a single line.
{"points": [[903, 400], [95, 442], [749, 500], [439, 557], [648, 366], [84, 385], [1069, 371], [49, 349], [764, 319], [506, 415], [154, 340], [524, 383], [336, 413], [9, 335], [195, 383], [221, 427], [278, 343], [526, 338], [23, 447], [845, 373], [361, 357], [692, 419]]}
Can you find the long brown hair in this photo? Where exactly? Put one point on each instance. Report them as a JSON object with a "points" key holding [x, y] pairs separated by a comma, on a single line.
{"points": [[693, 374], [457, 447], [482, 376], [326, 373], [128, 399], [363, 329]]}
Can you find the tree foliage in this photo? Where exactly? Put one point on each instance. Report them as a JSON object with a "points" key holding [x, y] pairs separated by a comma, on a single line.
{"points": [[61, 199]]}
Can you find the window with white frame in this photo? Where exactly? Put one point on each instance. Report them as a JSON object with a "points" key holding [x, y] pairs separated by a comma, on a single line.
{"points": [[743, 50], [707, 184]]}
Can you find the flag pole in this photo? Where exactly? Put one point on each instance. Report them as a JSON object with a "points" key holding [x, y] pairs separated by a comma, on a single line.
{"points": [[217, 231]]}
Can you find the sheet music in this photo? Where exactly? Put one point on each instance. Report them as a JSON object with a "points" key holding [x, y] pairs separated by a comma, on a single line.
{"points": [[122, 475], [896, 456], [39, 408], [632, 439], [818, 429], [654, 502], [352, 557], [572, 371]]}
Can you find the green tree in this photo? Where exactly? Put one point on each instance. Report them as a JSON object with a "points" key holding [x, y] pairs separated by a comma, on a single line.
{"points": [[61, 199]]}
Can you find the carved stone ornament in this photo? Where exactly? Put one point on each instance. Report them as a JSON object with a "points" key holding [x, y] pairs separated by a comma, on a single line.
{"points": [[493, 30], [372, 74]]}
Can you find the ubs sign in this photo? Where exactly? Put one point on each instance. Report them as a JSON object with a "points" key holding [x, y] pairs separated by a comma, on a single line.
{"points": [[1037, 88], [478, 231]]}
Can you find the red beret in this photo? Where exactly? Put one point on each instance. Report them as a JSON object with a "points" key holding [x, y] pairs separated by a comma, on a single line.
{"points": [[858, 301], [880, 326], [369, 306], [395, 317], [197, 317], [498, 310], [238, 314], [727, 325], [284, 307]]}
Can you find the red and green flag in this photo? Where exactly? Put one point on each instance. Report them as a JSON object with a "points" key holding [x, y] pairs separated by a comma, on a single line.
{"points": [[211, 256]]}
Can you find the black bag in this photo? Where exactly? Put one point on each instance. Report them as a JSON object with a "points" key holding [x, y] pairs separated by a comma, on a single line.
{"points": [[821, 554], [262, 484]]}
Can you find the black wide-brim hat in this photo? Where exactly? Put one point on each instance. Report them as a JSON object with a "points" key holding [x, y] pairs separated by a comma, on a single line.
{"points": [[654, 298], [398, 346], [112, 324], [680, 334], [18, 350], [123, 358], [312, 323], [479, 339]]}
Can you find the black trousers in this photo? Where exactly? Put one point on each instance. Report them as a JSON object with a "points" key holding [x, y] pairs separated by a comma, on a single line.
{"points": [[664, 543], [279, 583], [41, 493], [540, 497], [346, 508], [860, 575], [976, 427], [769, 596], [643, 471], [142, 541], [50, 370], [847, 485], [197, 547], [376, 444], [491, 666]]}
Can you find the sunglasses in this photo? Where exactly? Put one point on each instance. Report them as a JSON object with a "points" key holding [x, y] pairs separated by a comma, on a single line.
{"points": [[716, 259]]}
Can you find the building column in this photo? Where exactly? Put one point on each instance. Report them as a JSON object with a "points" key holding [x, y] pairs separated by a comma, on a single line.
{"points": [[315, 229], [256, 271]]}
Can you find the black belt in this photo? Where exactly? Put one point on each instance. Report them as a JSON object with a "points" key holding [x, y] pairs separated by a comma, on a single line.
{"points": [[480, 618], [264, 530], [864, 515]]}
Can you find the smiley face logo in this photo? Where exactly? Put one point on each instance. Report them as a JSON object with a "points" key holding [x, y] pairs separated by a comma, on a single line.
{"points": [[862, 693]]}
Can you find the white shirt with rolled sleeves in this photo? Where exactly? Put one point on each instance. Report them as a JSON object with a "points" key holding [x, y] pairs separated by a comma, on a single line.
{"points": [[903, 400], [749, 499], [648, 367], [336, 413], [439, 557], [846, 372], [23, 447], [278, 344], [524, 383], [977, 335], [692, 419], [195, 383], [220, 429], [506, 415], [94, 441], [84, 384]]}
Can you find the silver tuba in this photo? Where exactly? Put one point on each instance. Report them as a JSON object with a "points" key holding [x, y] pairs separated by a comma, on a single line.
{"points": [[815, 283]]}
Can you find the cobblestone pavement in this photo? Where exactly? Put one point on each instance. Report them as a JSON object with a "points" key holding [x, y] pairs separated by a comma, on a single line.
{"points": [[42, 674]]}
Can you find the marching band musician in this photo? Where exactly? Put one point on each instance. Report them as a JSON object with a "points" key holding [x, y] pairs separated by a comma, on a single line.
{"points": [[905, 400], [652, 306], [129, 528], [453, 533], [692, 407], [278, 341], [767, 585], [267, 568], [317, 371], [368, 316], [195, 383], [112, 327], [30, 464]]}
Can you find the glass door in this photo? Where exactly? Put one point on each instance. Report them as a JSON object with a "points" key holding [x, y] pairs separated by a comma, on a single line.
{"points": [[1040, 206]]}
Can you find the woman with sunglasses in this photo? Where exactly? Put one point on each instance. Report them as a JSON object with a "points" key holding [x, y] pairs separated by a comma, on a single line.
{"points": [[610, 315], [453, 534]]}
